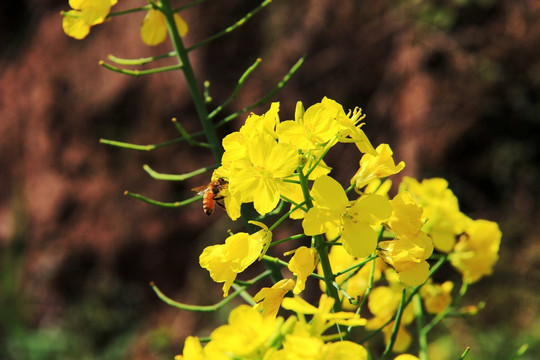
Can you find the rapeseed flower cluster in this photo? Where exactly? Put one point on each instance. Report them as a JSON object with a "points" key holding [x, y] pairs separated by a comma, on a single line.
{"points": [[380, 248], [373, 250]]}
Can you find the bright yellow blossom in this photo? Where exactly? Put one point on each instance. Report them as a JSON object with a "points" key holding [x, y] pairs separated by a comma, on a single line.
{"points": [[376, 166], [255, 164], [246, 334], [193, 350], [476, 252], [154, 27], [302, 265], [408, 252], [240, 250], [323, 316], [437, 297], [269, 299], [85, 14], [444, 219], [406, 357], [333, 213]]}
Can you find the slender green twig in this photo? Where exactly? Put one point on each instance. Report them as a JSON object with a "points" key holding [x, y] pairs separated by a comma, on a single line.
{"points": [[244, 295], [395, 329], [322, 250], [140, 61], [268, 96], [186, 136], [368, 291], [150, 147], [129, 11], [294, 237], [233, 27], [207, 308], [465, 353], [286, 215], [433, 270], [237, 89], [358, 265], [177, 177], [422, 335], [140, 72], [160, 203]]}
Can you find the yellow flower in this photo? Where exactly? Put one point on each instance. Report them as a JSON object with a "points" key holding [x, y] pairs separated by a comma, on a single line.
{"points": [[194, 351], [444, 219], [85, 14], [260, 178], [476, 252], [313, 128], [240, 250], [408, 252], [333, 214], [154, 27], [302, 265], [246, 334], [408, 257], [255, 164], [323, 316], [437, 297], [376, 166], [406, 357], [269, 299]]}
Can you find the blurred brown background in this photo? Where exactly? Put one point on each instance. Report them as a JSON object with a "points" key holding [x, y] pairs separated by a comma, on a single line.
{"points": [[452, 85]]}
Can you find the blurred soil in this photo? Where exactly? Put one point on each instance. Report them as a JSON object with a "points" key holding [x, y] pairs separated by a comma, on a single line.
{"points": [[454, 89]]}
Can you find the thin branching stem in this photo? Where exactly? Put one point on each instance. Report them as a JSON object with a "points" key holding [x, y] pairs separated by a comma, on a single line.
{"points": [[207, 308], [176, 204], [268, 96], [140, 72], [177, 177], [233, 27], [237, 89]]}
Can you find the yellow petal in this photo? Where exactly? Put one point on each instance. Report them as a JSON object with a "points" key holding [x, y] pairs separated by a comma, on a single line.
{"points": [[328, 193], [74, 25], [416, 275], [302, 265], [181, 25], [153, 28]]}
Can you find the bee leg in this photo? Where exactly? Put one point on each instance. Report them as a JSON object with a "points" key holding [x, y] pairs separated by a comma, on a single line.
{"points": [[221, 205]]}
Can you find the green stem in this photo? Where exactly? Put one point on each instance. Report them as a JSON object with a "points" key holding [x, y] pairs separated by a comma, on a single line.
{"points": [[368, 290], [140, 61], [395, 329], [413, 292], [151, 147], [207, 308], [177, 177], [320, 246], [196, 95], [139, 72], [465, 353], [268, 96], [237, 24], [160, 203], [422, 335], [237, 89]]}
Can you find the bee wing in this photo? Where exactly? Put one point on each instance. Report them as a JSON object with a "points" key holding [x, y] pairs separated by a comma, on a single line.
{"points": [[200, 189]]}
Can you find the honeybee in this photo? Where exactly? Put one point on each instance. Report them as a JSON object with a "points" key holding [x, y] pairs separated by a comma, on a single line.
{"points": [[211, 194]]}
